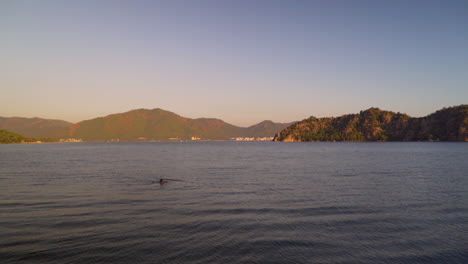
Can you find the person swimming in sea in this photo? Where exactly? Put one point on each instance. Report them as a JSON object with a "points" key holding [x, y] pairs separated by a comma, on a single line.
{"points": [[161, 181]]}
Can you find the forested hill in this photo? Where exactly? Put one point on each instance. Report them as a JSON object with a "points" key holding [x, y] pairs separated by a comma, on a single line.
{"points": [[139, 125], [8, 137], [447, 124], [159, 124]]}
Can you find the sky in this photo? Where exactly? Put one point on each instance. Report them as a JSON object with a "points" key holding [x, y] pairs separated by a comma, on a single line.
{"points": [[242, 61]]}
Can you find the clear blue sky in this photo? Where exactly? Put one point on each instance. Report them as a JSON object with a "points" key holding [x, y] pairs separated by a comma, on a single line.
{"points": [[241, 61]]}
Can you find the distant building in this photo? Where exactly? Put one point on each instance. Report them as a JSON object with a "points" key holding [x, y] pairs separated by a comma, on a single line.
{"points": [[71, 140], [253, 138]]}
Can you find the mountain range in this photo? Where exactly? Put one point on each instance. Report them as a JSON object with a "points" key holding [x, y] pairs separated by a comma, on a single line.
{"points": [[374, 124], [140, 124], [35, 127]]}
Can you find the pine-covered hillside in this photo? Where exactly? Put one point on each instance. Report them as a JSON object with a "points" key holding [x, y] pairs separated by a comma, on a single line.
{"points": [[448, 124]]}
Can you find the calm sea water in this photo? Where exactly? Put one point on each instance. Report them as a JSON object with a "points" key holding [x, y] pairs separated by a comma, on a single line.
{"points": [[234, 202]]}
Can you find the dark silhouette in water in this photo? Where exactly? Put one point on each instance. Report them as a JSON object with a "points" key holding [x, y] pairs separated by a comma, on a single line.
{"points": [[162, 181]]}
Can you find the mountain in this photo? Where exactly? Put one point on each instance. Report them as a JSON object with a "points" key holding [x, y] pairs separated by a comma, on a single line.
{"points": [[447, 124], [35, 127], [265, 128], [159, 124]]}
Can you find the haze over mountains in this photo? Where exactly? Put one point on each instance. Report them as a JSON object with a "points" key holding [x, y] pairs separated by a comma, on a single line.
{"points": [[35, 127], [140, 124]]}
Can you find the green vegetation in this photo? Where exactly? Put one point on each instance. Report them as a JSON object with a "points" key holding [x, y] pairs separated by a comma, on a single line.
{"points": [[448, 124], [8, 137]]}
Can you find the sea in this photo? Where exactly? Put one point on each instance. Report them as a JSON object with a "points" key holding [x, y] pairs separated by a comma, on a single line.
{"points": [[234, 202]]}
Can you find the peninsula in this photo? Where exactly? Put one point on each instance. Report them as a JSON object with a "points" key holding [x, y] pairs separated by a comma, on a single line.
{"points": [[374, 124]]}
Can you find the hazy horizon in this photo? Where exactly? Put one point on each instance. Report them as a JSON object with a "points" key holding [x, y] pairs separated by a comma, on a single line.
{"points": [[239, 61]]}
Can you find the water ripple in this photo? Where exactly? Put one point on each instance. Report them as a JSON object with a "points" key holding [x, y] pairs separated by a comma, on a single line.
{"points": [[234, 203]]}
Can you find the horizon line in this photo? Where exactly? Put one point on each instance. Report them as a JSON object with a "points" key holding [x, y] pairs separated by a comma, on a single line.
{"points": [[290, 122]]}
